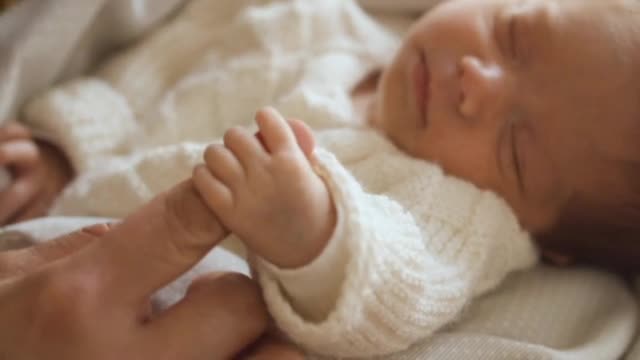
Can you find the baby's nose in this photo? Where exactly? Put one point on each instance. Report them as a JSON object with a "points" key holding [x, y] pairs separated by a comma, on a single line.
{"points": [[482, 86]]}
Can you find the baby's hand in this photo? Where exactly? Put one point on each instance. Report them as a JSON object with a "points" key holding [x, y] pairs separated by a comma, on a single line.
{"points": [[264, 189], [38, 173]]}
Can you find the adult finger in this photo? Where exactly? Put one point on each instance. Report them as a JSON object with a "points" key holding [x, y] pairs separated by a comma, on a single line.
{"points": [[20, 153], [16, 197], [25, 260], [14, 130], [156, 244], [220, 315], [274, 129]]}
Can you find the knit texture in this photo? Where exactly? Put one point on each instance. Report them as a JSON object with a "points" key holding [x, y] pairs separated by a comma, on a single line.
{"points": [[414, 245]]}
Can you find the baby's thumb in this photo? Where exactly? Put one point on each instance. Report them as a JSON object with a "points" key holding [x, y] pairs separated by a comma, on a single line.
{"points": [[304, 136]]}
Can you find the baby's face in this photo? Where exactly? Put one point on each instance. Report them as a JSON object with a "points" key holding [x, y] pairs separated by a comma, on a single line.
{"points": [[534, 99]]}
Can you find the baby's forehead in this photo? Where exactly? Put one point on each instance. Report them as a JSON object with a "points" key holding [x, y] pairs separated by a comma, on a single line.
{"points": [[589, 48]]}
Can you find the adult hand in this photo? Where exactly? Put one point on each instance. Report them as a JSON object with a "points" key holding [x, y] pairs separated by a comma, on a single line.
{"points": [[87, 295], [39, 172]]}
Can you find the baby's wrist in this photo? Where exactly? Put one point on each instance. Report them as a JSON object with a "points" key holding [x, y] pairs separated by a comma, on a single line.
{"points": [[318, 235]]}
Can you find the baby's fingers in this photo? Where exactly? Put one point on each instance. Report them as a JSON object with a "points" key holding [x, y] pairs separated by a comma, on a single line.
{"points": [[14, 131], [215, 194], [275, 131], [246, 147], [223, 164], [304, 136], [16, 197], [18, 153]]}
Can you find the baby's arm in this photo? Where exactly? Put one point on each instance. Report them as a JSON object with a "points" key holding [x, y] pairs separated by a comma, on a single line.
{"points": [[86, 118], [389, 276], [66, 131], [94, 125]]}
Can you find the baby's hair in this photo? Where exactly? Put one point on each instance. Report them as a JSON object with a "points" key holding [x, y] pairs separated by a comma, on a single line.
{"points": [[614, 246], [602, 227]]}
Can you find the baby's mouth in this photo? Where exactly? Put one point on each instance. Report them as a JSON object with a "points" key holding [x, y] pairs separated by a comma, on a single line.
{"points": [[421, 80]]}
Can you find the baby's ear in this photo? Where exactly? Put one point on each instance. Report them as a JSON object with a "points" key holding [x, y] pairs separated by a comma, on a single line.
{"points": [[304, 136]]}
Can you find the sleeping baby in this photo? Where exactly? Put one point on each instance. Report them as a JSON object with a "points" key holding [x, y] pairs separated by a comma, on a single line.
{"points": [[378, 209]]}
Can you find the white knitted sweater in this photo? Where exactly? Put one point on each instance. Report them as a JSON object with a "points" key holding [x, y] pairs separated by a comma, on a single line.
{"points": [[412, 246]]}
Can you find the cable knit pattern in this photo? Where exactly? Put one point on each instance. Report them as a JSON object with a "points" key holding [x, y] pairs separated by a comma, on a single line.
{"points": [[414, 246], [88, 110], [415, 259]]}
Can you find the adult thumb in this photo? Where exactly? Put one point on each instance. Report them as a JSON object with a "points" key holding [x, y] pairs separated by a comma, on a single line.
{"points": [[156, 244], [27, 259]]}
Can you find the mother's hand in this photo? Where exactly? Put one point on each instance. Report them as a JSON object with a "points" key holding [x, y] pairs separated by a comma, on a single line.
{"points": [[87, 295]]}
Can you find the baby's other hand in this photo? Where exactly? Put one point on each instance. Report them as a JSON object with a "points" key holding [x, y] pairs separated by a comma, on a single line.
{"points": [[38, 172], [264, 189]]}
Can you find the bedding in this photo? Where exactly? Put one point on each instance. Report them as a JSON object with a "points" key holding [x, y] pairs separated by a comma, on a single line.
{"points": [[71, 35], [544, 313], [541, 314]]}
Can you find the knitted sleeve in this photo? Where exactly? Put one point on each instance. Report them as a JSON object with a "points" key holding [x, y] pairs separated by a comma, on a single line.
{"points": [[400, 273], [118, 185], [86, 118]]}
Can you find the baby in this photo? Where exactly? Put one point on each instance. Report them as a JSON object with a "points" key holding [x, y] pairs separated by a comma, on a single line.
{"points": [[537, 101], [364, 247]]}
